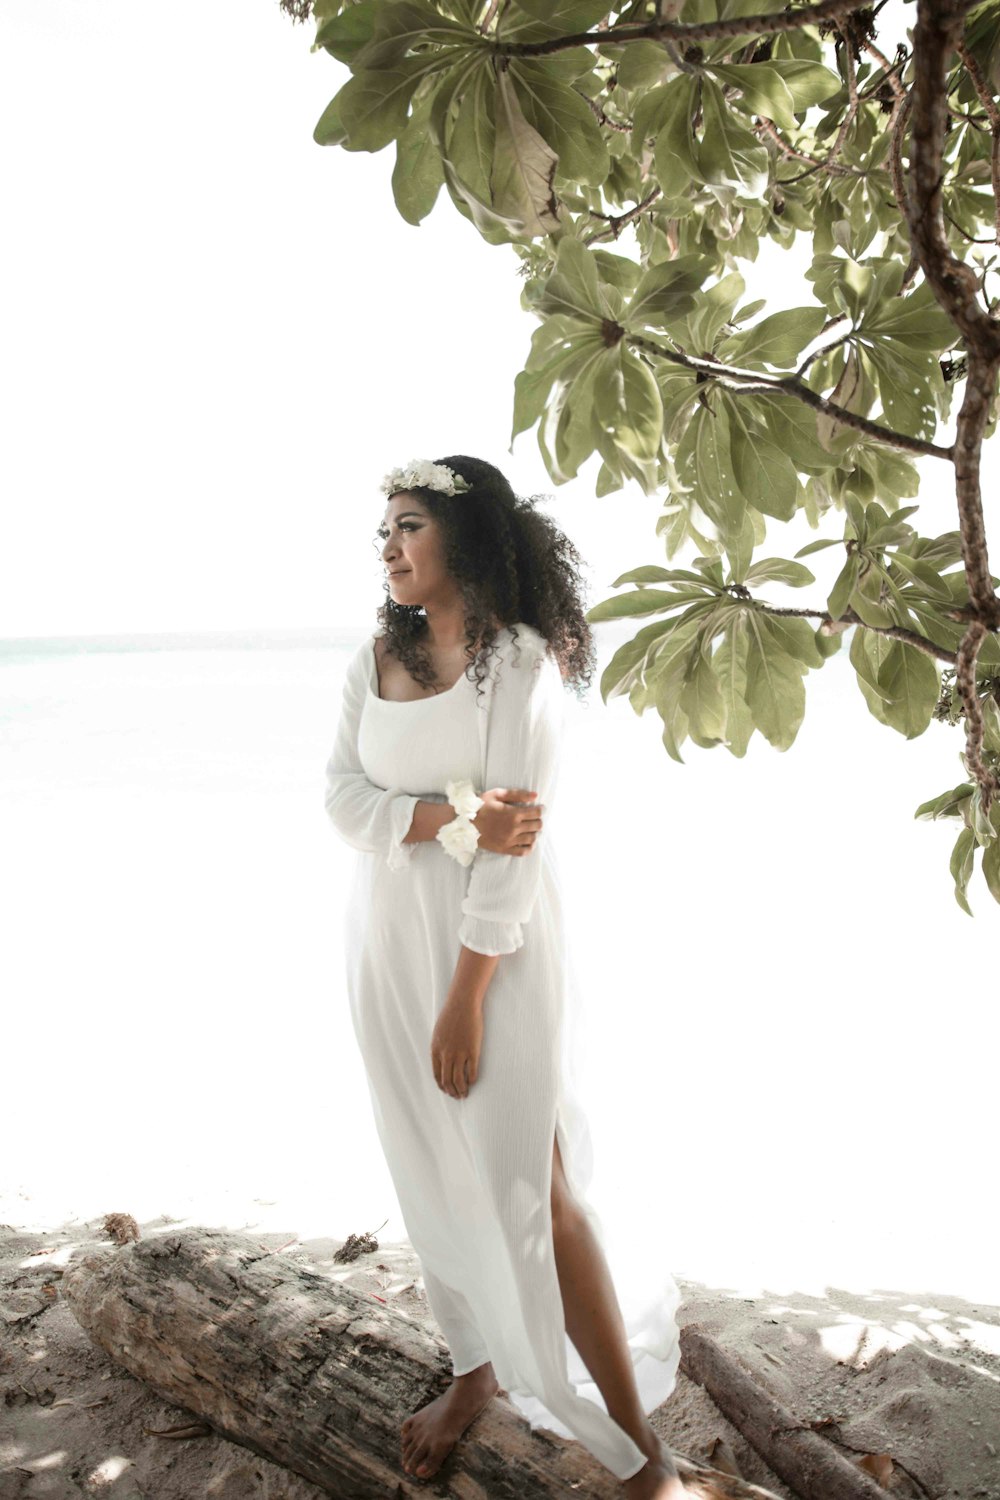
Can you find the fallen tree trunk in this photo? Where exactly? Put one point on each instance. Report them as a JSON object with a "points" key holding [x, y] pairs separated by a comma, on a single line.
{"points": [[306, 1371], [799, 1456]]}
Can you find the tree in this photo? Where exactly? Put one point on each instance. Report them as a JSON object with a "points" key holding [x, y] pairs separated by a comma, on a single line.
{"points": [[563, 128]]}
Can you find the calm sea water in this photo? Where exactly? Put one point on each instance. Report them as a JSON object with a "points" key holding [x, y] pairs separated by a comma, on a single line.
{"points": [[769, 951]]}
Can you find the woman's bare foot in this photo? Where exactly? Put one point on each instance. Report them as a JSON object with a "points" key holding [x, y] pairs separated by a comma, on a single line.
{"points": [[428, 1435], [657, 1479]]}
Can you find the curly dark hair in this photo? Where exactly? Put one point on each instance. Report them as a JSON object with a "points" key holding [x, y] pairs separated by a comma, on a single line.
{"points": [[511, 563]]}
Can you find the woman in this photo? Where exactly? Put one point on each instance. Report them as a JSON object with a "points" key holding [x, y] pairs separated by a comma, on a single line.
{"points": [[457, 972]]}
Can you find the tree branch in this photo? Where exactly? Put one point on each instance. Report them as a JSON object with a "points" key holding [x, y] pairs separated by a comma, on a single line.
{"points": [[834, 168], [696, 31], [617, 222], [895, 632], [790, 385], [937, 34]]}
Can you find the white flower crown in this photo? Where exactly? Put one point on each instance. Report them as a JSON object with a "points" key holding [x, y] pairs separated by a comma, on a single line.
{"points": [[421, 473]]}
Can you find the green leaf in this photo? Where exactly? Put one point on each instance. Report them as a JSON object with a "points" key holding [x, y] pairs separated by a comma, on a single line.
{"points": [[765, 476], [558, 350], [730, 667], [947, 805], [776, 340], [544, 18], [329, 131], [639, 602], [781, 570], [868, 653], [641, 424], [666, 679], [374, 105], [763, 88], [643, 64], [473, 135], [675, 153], [775, 692], [807, 82], [729, 156], [524, 167], [908, 680], [400, 27], [739, 549], [906, 386], [666, 291], [343, 36], [917, 321], [563, 119], [980, 820], [418, 173], [573, 286], [796, 637], [570, 429], [818, 546], [847, 579], [701, 699], [704, 454], [962, 859], [991, 868]]}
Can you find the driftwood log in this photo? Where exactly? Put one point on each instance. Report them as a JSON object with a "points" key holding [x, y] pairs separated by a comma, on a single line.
{"points": [[801, 1457], [315, 1375]]}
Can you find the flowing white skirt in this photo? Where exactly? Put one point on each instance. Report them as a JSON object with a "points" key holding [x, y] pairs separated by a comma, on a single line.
{"points": [[473, 1176]]}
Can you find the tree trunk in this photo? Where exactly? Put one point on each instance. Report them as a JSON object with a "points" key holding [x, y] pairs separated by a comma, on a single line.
{"points": [[805, 1461], [306, 1371]]}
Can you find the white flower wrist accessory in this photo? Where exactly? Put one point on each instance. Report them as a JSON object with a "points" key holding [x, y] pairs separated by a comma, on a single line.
{"points": [[460, 837]]}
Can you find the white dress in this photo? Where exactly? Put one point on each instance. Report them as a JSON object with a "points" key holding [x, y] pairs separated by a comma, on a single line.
{"points": [[473, 1176]]}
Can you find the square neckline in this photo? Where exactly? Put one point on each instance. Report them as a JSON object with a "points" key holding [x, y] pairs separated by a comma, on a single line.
{"points": [[428, 698]]}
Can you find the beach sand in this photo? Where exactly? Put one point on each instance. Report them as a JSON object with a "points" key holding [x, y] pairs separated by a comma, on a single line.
{"points": [[911, 1376]]}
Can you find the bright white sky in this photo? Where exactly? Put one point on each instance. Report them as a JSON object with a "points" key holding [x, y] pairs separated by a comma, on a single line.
{"points": [[219, 336]]}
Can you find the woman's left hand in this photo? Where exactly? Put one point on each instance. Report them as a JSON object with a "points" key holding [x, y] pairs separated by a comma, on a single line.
{"points": [[456, 1045]]}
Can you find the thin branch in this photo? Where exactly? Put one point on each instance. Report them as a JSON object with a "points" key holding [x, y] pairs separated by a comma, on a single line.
{"points": [[487, 20], [834, 168], [971, 238], [679, 31], [852, 94], [617, 222], [826, 349], [790, 385], [895, 632], [624, 126]]}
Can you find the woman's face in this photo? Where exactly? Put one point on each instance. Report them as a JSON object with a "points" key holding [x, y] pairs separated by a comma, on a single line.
{"points": [[412, 553]]}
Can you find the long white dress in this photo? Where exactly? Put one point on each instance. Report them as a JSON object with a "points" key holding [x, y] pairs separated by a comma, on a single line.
{"points": [[473, 1176]]}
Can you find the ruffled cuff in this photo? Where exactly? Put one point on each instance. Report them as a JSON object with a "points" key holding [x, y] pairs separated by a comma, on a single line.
{"points": [[491, 938], [400, 820]]}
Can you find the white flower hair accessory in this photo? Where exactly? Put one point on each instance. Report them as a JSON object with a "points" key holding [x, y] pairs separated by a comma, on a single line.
{"points": [[460, 837], [421, 473]]}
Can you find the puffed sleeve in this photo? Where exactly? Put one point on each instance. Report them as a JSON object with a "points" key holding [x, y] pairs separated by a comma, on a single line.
{"points": [[527, 717], [366, 816]]}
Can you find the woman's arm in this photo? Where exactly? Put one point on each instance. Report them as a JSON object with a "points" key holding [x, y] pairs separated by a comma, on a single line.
{"points": [[527, 717], [379, 820], [428, 817]]}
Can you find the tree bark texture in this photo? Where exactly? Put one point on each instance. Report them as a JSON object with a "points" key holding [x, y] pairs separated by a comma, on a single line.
{"points": [[807, 1463], [317, 1376]]}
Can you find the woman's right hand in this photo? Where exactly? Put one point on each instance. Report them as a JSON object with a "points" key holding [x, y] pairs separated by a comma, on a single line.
{"points": [[504, 827]]}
